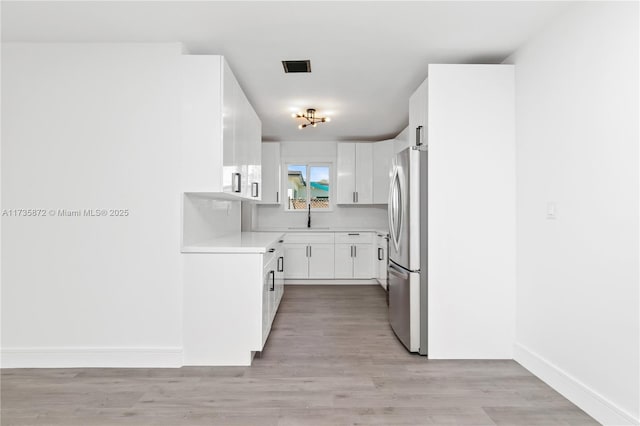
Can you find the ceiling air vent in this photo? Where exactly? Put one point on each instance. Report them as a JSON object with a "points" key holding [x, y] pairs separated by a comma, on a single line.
{"points": [[297, 66]]}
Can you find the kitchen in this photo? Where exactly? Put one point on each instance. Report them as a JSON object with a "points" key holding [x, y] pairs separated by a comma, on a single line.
{"points": [[132, 291]]}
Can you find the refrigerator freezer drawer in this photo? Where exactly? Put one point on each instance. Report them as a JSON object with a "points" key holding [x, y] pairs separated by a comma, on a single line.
{"points": [[404, 306]]}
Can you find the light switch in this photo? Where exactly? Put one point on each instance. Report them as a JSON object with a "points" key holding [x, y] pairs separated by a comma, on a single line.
{"points": [[551, 210]]}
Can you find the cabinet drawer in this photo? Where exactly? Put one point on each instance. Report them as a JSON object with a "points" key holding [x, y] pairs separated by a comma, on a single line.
{"points": [[273, 250], [354, 237], [309, 238]]}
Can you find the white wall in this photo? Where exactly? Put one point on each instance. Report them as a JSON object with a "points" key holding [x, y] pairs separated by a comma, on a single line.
{"points": [[271, 216], [472, 232], [577, 147], [91, 126]]}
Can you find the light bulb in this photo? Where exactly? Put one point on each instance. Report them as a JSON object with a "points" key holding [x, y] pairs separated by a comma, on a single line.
{"points": [[301, 126], [314, 124], [327, 119], [294, 115]]}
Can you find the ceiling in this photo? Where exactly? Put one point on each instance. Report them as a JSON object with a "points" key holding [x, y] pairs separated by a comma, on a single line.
{"points": [[367, 57]]}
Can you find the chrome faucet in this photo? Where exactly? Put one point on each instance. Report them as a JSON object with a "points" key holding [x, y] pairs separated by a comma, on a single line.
{"points": [[309, 217]]}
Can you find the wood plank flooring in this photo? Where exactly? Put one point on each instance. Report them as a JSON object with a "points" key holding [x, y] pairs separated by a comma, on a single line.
{"points": [[331, 359]]}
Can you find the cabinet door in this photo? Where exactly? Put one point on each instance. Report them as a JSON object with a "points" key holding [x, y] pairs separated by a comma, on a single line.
{"points": [[364, 173], [382, 157], [418, 115], [297, 262], [270, 173], [252, 152], [279, 279], [321, 260], [230, 117], [363, 261], [343, 261], [346, 181], [267, 301]]}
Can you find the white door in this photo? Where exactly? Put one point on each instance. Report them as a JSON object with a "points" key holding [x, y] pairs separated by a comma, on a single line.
{"points": [[364, 173], [297, 262], [321, 261], [346, 169], [344, 261], [363, 261]]}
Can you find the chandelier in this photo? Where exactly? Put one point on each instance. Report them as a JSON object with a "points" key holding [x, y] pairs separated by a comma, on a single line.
{"points": [[311, 118]]}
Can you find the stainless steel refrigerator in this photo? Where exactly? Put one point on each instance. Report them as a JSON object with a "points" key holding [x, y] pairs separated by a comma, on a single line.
{"points": [[407, 283]]}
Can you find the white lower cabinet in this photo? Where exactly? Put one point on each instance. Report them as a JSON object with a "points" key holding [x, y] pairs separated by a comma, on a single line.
{"points": [[354, 255], [344, 261], [354, 261], [230, 302], [380, 260], [268, 298], [330, 255], [363, 261], [297, 261], [272, 288], [309, 255], [321, 261]]}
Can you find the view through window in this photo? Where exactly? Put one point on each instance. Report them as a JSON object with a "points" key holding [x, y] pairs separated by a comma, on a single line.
{"points": [[308, 184]]}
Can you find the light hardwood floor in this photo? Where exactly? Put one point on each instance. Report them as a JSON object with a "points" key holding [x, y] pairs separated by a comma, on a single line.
{"points": [[331, 359]]}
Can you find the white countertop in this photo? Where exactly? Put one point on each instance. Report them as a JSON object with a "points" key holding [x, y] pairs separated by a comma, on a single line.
{"points": [[326, 229], [244, 242]]}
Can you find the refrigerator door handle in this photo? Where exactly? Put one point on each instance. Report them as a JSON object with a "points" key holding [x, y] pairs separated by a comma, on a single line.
{"points": [[390, 203], [393, 270], [395, 204]]}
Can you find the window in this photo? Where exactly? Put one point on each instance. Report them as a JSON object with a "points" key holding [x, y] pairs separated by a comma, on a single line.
{"points": [[308, 184]]}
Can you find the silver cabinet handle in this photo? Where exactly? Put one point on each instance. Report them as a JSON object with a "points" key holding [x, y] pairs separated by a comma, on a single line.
{"points": [[273, 280], [356, 196], [418, 135], [353, 195], [351, 251], [236, 180], [355, 251], [281, 264], [254, 189], [354, 233], [380, 254], [271, 250], [310, 251], [277, 196]]}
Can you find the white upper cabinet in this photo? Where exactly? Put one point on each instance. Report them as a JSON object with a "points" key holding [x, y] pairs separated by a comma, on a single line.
{"points": [[221, 133], [355, 171], [382, 157], [270, 173], [418, 115], [363, 172]]}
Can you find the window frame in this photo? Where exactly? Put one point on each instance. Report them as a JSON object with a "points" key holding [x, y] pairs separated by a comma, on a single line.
{"points": [[308, 165]]}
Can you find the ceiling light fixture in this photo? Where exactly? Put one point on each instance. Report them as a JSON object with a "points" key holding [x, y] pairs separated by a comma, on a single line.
{"points": [[311, 118]]}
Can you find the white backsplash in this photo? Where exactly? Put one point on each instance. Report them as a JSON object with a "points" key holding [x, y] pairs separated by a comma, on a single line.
{"points": [[206, 218], [272, 216]]}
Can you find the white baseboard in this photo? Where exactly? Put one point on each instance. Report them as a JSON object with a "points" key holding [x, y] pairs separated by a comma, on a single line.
{"points": [[594, 404], [72, 357], [330, 282]]}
